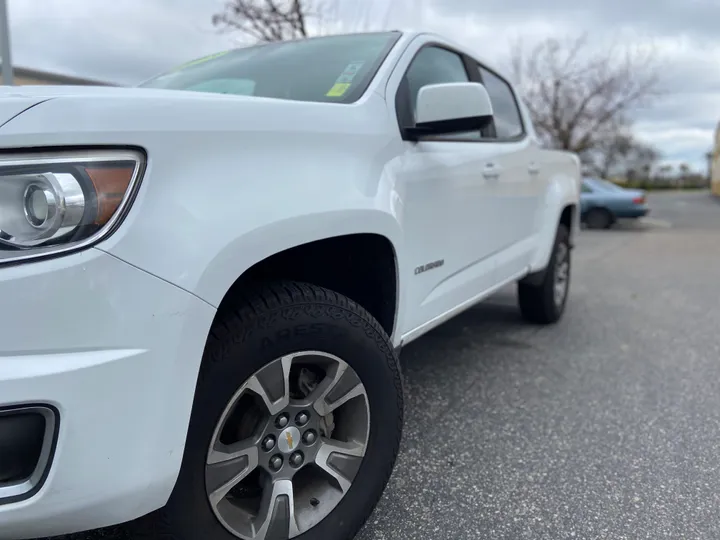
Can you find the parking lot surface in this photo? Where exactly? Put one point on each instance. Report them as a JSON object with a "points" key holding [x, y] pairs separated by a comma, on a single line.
{"points": [[604, 426]]}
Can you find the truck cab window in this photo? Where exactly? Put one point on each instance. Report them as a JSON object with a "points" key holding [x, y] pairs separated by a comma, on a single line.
{"points": [[508, 122]]}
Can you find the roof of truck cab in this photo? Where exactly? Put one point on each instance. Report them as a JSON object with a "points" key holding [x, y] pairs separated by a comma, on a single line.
{"points": [[411, 33]]}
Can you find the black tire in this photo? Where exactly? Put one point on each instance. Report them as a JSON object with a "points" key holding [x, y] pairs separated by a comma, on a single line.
{"points": [[599, 218], [273, 321], [537, 301]]}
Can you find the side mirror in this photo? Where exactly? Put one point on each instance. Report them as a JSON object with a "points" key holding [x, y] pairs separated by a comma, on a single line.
{"points": [[451, 108]]}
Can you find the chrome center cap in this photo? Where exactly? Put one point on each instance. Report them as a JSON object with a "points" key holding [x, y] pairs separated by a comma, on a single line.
{"points": [[289, 440]]}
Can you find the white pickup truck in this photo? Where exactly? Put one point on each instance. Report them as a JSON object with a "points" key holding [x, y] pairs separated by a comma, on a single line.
{"points": [[205, 280]]}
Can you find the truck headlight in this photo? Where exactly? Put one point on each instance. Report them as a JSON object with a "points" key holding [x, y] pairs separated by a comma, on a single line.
{"points": [[53, 202]]}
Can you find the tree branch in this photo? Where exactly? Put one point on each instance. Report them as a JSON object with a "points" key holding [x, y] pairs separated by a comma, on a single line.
{"points": [[579, 97], [267, 20]]}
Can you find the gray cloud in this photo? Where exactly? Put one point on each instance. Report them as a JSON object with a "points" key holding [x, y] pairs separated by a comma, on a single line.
{"points": [[127, 41], [695, 18]]}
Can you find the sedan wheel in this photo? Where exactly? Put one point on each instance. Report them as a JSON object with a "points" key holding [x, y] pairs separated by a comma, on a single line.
{"points": [[598, 218]]}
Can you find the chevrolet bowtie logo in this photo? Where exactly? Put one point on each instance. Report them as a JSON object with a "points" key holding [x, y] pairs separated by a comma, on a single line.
{"points": [[289, 438]]}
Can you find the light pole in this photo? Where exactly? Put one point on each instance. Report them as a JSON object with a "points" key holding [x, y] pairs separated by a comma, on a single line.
{"points": [[7, 70]]}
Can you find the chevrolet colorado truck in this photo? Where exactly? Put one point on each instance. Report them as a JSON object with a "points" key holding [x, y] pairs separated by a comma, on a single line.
{"points": [[205, 280]]}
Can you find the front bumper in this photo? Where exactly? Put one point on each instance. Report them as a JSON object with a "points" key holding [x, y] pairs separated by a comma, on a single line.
{"points": [[115, 352]]}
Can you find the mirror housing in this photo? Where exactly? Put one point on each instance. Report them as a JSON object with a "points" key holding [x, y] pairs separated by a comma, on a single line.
{"points": [[447, 108]]}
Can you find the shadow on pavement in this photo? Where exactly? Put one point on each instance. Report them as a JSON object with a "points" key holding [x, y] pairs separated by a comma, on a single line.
{"points": [[486, 324], [630, 225]]}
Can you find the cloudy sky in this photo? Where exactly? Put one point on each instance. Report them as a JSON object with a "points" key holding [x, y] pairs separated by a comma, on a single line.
{"points": [[127, 41]]}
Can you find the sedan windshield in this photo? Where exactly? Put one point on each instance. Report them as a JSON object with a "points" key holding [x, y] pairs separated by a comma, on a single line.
{"points": [[334, 69]]}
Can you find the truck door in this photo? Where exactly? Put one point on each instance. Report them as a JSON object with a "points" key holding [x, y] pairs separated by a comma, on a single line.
{"points": [[448, 187]]}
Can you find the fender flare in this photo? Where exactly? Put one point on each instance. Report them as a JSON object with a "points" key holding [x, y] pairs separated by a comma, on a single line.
{"points": [[562, 193], [246, 251]]}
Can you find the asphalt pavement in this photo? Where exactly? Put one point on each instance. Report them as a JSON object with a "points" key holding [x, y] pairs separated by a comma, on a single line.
{"points": [[605, 426]]}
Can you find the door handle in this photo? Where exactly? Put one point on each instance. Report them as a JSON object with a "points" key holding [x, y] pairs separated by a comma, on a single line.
{"points": [[491, 171], [533, 168]]}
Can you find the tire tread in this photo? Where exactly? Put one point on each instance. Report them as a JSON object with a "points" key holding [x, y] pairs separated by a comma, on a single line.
{"points": [[536, 302], [258, 308]]}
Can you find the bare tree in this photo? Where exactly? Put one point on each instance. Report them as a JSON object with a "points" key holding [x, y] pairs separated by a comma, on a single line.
{"points": [[622, 154], [579, 97], [642, 160], [665, 170], [609, 154], [280, 20], [269, 20], [684, 170]]}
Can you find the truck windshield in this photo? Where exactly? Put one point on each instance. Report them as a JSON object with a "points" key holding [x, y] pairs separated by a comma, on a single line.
{"points": [[332, 69]]}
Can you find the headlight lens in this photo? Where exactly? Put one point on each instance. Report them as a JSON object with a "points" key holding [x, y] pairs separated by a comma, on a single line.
{"points": [[51, 202]]}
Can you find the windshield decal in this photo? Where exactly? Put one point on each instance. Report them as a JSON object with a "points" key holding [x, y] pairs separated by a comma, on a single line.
{"points": [[338, 90], [344, 81]]}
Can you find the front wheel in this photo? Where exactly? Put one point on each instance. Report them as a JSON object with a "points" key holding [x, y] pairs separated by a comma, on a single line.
{"points": [[295, 427], [544, 302]]}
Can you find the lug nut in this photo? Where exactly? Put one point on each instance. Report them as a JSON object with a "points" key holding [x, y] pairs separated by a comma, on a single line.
{"points": [[302, 418], [296, 459], [276, 463], [268, 443], [309, 437], [282, 421]]}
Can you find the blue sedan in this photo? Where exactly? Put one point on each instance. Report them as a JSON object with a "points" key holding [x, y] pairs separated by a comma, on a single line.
{"points": [[602, 203]]}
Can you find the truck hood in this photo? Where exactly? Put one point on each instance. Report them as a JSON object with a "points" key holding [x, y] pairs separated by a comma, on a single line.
{"points": [[38, 93], [50, 115], [13, 104], [14, 100]]}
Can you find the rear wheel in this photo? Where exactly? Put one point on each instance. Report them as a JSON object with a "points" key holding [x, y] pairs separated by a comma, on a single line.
{"points": [[544, 302], [299, 395], [598, 218]]}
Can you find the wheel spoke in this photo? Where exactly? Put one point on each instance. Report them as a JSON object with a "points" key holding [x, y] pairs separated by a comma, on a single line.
{"points": [[276, 519], [339, 386], [272, 384], [340, 460], [227, 466], [260, 505], [562, 274]]}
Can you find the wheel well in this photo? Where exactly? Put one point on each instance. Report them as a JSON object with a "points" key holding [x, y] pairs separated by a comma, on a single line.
{"points": [[566, 218], [359, 266]]}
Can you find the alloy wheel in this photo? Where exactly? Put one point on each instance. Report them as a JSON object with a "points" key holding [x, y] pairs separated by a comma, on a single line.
{"points": [[288, 446], [562, 273]]}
